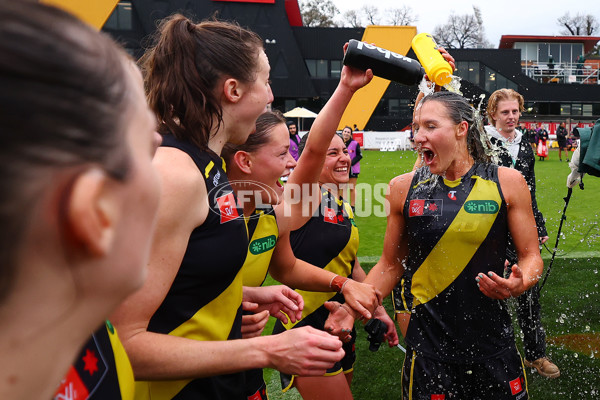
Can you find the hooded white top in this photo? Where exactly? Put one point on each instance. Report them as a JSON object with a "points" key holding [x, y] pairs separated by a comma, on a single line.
{"points": [[511, 145]]}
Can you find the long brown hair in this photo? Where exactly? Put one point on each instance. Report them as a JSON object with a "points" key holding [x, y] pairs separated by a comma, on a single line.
{"points": [[185, 65], [63, 104]]}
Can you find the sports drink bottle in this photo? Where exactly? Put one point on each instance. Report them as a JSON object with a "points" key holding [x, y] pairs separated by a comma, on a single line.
{"points": [[384, 63], [437, 68]]}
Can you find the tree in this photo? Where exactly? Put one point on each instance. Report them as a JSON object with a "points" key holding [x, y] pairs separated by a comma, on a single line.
{"points": [[401, 16], [462, 32], [371, 14], [318, 13], [579, 25], [352, 19]]}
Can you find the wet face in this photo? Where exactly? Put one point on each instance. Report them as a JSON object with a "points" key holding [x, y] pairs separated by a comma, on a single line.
{"points": [[272, 161], [347, 134], [337, 163], [438, 139], [506, 117], [139, 192], [256, 96]]}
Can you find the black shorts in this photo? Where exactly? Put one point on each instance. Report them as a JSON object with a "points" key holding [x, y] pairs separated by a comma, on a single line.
{"points": [[501, 377], [256, 388]]}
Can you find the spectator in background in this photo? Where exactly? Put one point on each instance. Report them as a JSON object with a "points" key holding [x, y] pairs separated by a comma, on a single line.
{"points": [[294, 139], [355, 157], [561, 138], [542, 146], [504, 109]]}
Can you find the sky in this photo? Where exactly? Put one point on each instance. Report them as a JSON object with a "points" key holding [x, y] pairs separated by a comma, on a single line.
{"points": [[505, 17]]}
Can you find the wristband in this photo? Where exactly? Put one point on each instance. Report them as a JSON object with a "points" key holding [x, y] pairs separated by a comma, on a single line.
{"points": [[337, 283]]}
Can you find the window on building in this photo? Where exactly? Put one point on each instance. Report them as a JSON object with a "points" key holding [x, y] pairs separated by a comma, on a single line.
{"points": [[543, 52], [565, 109], [393, 107], [495, 81], [406, 108], [121, 17], [576, 109], [289, 104], [565, 53], [336, 68], [318, 68], [588, 110], [554, 51], [468, 70], [577, 50]]}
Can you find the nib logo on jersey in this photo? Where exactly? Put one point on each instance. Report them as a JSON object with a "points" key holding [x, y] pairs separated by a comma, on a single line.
{"points": [[425, 207]]}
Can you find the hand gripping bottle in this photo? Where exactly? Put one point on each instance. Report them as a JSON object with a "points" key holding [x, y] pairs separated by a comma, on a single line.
{"points": [[437, 68], [384, 63]]}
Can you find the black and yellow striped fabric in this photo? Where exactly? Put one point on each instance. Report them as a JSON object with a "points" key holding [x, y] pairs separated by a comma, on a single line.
{"points": [[328, 240], [456, 230], [263, 233], [204, 301], [101, 371]]}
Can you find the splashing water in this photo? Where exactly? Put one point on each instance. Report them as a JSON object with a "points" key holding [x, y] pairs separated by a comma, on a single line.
{"points": [[454, 85], [426, 87]]}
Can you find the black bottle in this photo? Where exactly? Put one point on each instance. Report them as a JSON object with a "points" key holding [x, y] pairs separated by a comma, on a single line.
{"points": [[384, 63]]}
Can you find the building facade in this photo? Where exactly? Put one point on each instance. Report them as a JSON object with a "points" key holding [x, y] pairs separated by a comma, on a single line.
{"points": [[550, 73]]}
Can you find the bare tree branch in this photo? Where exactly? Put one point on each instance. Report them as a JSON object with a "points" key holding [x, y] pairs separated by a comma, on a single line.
{"points": [[371, 14], [402, 16], [353, 19]]}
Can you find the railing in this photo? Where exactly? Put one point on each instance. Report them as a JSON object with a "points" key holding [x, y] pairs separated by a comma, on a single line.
{"points": [[577, 73]]}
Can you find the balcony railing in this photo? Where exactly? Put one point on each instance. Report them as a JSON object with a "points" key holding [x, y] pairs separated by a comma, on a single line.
{"points": [[576, 73]]}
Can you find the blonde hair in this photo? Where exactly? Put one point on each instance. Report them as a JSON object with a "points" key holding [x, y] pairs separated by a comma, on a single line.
{"points": [[500, 95]]}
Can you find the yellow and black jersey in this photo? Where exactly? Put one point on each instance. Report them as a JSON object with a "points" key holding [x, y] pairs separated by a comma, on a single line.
{"points": [[101, 371], [263, 233], [328, 240], [204, 301], [456, 230]]}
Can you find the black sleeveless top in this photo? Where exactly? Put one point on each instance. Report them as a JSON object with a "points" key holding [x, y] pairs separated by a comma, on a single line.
{"points": [[456, 230], [204, 301]]}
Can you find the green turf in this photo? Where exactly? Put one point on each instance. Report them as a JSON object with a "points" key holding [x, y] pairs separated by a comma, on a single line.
{"points": [[569, 299], [580, 232]]}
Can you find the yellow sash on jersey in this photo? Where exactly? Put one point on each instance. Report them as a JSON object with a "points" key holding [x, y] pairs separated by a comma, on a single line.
{"points": [[122, 364], [457, 245], [340, 265], [260, 249], [211, 322]]}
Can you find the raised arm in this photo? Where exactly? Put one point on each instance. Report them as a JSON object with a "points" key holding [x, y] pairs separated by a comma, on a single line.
{"points": [[311, 161]]}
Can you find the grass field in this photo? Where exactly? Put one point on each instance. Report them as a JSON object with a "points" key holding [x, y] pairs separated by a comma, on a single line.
{"points": [[581, 232], [570, 307]]}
